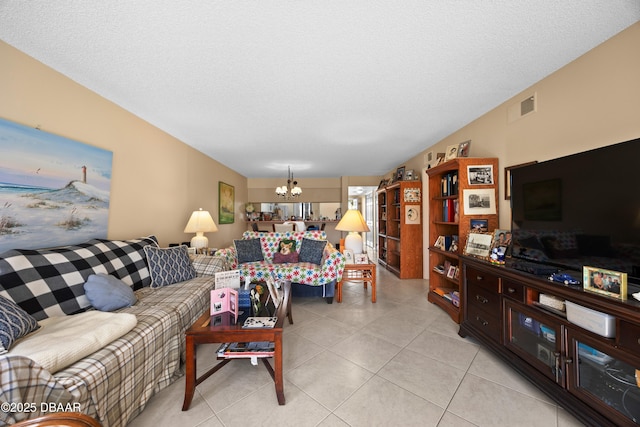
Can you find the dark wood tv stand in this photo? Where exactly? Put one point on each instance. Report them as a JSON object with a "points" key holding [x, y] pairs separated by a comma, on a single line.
{"points": [[589, 375]]}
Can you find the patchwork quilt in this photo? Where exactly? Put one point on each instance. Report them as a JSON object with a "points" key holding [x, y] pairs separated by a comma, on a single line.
{"points": [[330, 268]]}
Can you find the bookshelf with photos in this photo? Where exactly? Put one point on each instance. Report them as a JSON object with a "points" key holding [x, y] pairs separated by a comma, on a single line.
{"points": [[400, 228], [451, 218]]}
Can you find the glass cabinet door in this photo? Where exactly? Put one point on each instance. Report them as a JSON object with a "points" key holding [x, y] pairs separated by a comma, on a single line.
{"points": [[598, 375], [534, 337]]}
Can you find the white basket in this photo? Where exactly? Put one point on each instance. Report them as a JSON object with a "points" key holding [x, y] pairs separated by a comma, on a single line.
{"points": [[591, 320]]}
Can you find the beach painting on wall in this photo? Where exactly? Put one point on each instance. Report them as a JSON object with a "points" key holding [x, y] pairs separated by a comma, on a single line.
{"points": [[53, 191]]}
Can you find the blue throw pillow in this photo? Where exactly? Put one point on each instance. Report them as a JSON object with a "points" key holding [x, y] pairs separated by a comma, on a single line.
{"points": [[14, 323], [311, 251], [248, 250], [169, 265], [108, 293]]}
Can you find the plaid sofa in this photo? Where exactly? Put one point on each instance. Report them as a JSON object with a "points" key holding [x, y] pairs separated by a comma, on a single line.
{"points": [[322, 277], [115, 383]]}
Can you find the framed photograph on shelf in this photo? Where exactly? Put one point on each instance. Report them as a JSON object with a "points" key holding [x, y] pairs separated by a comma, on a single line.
{"points": [[507, 177], [349, 256], [479, 225], [478, 245], [480, 174], [399, 174], [446, 266], [412, 214], [451, 272], [480, 201], [428, 159], [454, 243], [412, 194], [452, 152], [463, 149], [501, 238], [226, 201], [605, 282], [361, 259]]}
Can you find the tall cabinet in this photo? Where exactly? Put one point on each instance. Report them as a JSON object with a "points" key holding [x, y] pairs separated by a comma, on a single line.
{"points": [[450, 217], [400, 229]]}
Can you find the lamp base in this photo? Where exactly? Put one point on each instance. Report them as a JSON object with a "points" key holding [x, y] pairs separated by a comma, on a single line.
{"points": [[353, 241], [199, 241]]}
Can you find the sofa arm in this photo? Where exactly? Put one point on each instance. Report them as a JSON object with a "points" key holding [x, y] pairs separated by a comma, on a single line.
{"points": [[29, 386], [332, 263], [230, 256], [206, 265]]}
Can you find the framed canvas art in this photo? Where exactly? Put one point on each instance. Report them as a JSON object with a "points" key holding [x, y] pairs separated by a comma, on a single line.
{"points": [[54, 191], [226, 200]]}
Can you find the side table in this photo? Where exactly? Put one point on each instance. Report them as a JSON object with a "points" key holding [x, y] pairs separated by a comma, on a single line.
{"points": [[204, 332], [365, 273]]}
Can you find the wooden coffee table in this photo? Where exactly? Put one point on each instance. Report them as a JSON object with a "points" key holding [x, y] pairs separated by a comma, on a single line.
{"points": [[203, 332], [365, 273]]}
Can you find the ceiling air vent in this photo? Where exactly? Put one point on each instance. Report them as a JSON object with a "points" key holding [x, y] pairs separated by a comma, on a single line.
{"points": [[522, 108]]}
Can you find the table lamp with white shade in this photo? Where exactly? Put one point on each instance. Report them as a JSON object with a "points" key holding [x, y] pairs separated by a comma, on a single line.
{"points": [[200, 223], [354, 223]]}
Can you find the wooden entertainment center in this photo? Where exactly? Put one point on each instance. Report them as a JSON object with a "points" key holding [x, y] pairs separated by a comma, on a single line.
{"points": [[590, 370]]}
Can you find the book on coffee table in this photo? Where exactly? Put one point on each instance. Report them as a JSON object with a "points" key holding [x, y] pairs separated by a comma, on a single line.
{"points": [[260, 322]]}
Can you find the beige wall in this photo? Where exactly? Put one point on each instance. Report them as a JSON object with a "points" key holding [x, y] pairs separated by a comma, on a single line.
{"points": [[157, 181], [592, 102]]}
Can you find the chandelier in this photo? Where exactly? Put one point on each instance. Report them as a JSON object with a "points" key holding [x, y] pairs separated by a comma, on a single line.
{"points": [[291, 190]]}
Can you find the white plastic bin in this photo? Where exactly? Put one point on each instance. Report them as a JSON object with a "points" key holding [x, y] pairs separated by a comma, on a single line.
{"points": [[591, 320]]}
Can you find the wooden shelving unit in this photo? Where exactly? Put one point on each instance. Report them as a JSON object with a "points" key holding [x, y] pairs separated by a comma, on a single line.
{"points": [[400, 229], [444, 189]]}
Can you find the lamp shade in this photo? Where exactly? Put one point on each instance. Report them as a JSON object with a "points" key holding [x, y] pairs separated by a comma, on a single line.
{"points": [[200, 223], [352, 221]]}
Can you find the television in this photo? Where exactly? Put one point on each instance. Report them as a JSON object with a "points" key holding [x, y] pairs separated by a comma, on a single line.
{"points": [[580, 210]]}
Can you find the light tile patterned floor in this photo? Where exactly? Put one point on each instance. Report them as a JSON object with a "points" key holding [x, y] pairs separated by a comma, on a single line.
{"points": [[399, 361]]}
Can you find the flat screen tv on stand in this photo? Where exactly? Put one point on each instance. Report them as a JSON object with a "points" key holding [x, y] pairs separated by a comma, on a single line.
{"points": [[579, 210]]}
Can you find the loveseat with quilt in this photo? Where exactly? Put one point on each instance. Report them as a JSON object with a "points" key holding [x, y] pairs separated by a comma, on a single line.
{"points": [[66, 345], [311, 263]]}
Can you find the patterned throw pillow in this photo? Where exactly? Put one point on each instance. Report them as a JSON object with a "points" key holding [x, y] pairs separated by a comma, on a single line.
{"points": [[279, 258], [312, 250], [248, 250], [209, 265], [14, 323], [169, 265], [108, 293], [286, 246]]}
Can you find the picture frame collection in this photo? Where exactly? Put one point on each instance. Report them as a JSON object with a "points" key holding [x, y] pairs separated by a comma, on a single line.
{"points": [[351, 258]]}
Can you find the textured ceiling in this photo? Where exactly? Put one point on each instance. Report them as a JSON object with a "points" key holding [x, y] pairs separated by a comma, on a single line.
{"points": [[330, 87]]}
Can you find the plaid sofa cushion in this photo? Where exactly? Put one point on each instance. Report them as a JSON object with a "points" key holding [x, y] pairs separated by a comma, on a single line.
{"points": [[50, 282], [209, 265]]}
